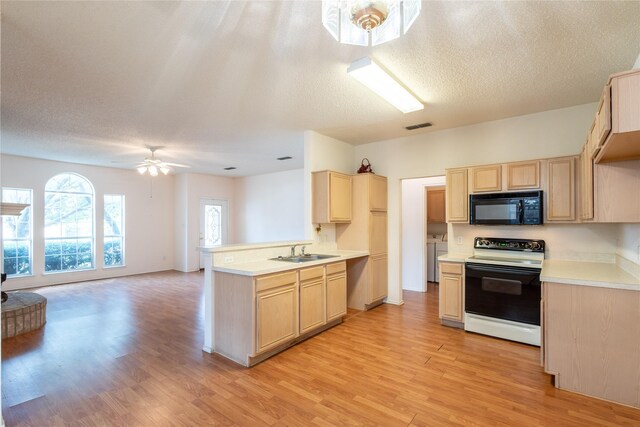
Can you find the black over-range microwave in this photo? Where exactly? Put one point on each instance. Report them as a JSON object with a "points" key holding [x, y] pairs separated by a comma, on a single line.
{"points": [[522, 208]]}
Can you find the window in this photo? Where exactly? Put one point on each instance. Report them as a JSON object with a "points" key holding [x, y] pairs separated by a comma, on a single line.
{"points": [[113, 230], [16, 234], [68, 223]]}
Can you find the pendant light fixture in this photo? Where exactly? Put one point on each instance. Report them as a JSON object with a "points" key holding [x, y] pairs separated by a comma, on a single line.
{"points": [[366, 22]]}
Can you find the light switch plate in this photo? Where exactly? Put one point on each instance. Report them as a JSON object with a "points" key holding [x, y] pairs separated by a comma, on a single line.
{"points": [[459, 240]]}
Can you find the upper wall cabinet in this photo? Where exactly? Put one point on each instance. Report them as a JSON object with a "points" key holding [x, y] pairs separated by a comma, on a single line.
{"points": [[331, 197], [486, 178], [617, 122], [561, 190], [436, 206], [457, 195], [523, 175], [378, 193]]}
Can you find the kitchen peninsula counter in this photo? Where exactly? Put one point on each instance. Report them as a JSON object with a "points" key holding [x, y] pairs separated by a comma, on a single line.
{"points": [[268, 266]]}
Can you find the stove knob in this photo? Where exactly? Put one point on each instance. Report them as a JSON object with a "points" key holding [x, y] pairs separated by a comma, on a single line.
{"points": [[528, 245], [535, 245]]}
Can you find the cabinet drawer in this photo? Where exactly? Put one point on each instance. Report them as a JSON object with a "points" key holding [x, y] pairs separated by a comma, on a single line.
{"points": [[451, 268], [337, 267], [312, 273], [275, 280]]}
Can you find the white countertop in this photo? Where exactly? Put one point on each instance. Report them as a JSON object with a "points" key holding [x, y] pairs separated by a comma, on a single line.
{"points": [[599, 274], [258, 268], [453, 257]]}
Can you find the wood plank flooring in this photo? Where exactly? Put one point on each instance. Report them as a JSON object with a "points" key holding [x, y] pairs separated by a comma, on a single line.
{"points": [[127, 352]]}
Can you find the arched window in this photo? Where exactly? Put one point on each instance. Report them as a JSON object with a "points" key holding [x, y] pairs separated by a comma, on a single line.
{"points": [[68, 223]]}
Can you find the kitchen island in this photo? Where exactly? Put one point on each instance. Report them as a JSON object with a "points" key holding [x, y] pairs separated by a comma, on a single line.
{"points": [[591, 328], [256, 306]]}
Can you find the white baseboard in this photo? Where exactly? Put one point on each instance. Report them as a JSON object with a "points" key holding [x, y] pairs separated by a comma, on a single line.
{"points": [[207, 349]]}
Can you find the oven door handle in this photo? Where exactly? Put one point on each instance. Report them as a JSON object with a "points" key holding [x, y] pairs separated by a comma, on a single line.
{"points": [[493, 268]]}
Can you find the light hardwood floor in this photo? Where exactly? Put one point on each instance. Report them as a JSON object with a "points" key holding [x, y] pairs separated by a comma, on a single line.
{"points": [[127, 352]]}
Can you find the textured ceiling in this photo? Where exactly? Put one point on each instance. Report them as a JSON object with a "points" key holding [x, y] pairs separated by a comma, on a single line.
{"points": [[236, 83]]}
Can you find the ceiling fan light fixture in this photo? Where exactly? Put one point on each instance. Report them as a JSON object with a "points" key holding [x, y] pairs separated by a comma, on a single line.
{"points": [[368, 22], [375, 78], [141, 169], [153, 170], [165, 169]]}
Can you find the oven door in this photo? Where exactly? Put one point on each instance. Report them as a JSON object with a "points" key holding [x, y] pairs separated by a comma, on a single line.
{"points": [[503, 292]]}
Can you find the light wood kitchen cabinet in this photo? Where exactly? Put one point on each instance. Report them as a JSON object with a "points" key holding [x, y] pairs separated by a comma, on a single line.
{"points": [[366, 277], [592, 340], [451, 293], [457, 195], [436, 206], [276, 310], [331, 197], [336, 290], [312, 298], [523, 175], [377, 193], [486, 178], [586, 184], [618, 122], [560, 195]]}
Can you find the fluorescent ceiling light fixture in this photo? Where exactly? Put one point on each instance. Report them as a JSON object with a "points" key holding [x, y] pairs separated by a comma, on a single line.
{"points": [[375, 78], [368, 22]]}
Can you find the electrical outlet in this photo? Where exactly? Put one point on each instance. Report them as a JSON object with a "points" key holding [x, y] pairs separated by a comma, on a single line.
{"points": [[459, 240], [228, 259]]}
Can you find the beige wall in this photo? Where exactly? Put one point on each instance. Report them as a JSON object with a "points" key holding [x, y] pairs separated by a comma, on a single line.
{"points": [[190, 189], [547, 134], [269, 207], [323, 153], [149, 217]]}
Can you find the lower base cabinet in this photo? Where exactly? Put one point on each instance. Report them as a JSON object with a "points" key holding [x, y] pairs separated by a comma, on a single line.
{"points": [[276, 310], [591, 340], [368, 279], [256, 318], [336, 291], [451, 293]]}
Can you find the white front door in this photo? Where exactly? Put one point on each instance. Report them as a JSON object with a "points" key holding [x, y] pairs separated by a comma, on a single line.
{"points": [[213, 223]]}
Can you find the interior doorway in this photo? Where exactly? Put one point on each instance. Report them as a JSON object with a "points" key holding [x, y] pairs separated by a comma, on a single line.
{"points": [[213, 224], [414, 230]]}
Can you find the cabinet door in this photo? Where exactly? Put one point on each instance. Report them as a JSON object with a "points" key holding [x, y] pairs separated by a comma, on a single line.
{"points": [[603, 121], [561, 192], [377, 233], [451, 297], [336, 296], [378, 278], [486, 178], [312, 305], [277, 316], [331, 197], [377, 193], [625, 102], [339, 197], [523, 175], [435, 206], [586, 184], [457, 196]]}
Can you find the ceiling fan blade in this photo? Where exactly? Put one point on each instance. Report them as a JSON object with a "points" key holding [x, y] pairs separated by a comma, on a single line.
{"points": [[178, 165]]}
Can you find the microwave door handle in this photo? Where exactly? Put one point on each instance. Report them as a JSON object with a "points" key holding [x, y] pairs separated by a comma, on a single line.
{"points": [[520, 212]]}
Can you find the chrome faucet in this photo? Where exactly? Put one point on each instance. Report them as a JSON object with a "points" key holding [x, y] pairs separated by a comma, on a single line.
{"points": [[293, 250], [302, 251]]}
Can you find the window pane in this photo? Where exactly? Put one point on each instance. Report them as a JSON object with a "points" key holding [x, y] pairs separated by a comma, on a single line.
{"points": [[213, 225], [68, 223], [16, 233], [113, 230]]}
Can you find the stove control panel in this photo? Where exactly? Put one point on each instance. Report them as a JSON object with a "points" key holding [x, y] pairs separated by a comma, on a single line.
{"points": [[527, 245]]}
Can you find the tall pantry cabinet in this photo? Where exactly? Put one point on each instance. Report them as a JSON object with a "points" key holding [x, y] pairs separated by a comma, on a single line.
{"points": [[366, 277]]}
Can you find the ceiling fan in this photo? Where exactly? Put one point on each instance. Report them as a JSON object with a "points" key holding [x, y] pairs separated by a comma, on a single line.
{"points": [[153, 165]]}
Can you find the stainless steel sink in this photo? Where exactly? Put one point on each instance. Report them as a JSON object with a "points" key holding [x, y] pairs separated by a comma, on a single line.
{"points": [[303, 258]]}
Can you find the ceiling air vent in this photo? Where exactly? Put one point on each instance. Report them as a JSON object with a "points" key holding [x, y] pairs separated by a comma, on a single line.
{"points": [[421, 125], [284, 158], [230, 168]]}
